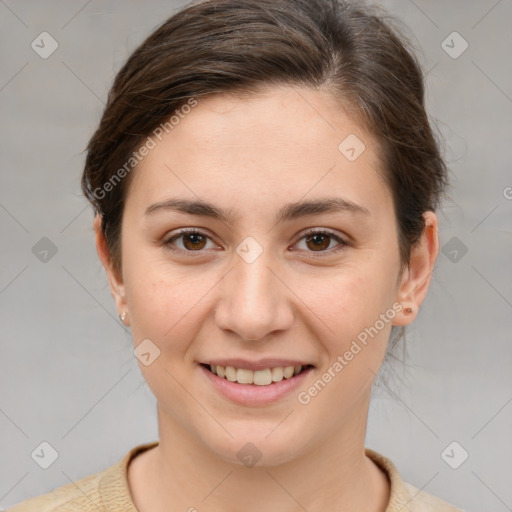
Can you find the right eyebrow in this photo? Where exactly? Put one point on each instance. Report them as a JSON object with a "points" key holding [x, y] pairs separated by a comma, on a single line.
{"points": [[288, 212]]}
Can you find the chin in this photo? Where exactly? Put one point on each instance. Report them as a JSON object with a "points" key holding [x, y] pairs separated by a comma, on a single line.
{"points": [[250, 447]]}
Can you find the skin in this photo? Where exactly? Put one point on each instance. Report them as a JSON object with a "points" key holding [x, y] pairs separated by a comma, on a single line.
{"points": [[251, 156]]}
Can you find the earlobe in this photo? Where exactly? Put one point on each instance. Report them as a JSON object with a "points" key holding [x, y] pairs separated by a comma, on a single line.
{"points": [[117, 287], [416, 277]]}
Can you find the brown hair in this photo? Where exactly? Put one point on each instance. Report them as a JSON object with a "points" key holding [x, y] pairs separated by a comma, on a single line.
{"points": [[240, 46]]}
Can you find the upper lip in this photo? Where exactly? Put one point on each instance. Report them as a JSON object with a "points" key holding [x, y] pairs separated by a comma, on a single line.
{"points": [[255, 365]]}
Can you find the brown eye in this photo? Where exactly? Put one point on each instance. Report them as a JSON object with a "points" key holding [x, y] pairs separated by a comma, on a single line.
{"points": [[189, 240], [320, 241], [194, 241]]}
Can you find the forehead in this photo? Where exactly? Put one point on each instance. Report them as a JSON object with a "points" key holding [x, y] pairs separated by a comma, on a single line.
{"points": [[274, 117], [279, 143]]}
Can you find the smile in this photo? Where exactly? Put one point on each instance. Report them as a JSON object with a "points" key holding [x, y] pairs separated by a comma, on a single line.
{"points": [[263, 377], [255, 388]]}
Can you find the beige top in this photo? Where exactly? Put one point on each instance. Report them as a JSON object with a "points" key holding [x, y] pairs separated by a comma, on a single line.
{"points": [[108, 491]]}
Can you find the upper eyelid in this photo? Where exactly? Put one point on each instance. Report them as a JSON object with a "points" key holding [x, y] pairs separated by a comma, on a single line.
{"points": [[341, 239], [308, 231]]}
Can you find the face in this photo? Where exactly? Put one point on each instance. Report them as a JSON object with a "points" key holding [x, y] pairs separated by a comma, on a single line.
{"points": [[294, 261]]}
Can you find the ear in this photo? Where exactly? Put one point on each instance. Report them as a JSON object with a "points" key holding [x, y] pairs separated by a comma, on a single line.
{"points": [[416, 277], [116, 282]]}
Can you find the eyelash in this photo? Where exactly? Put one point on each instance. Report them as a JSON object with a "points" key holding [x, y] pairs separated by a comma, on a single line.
{"points": [[310, 231]]}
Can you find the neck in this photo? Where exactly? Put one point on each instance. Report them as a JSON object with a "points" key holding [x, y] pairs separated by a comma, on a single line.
{"points": [[181, 473]]}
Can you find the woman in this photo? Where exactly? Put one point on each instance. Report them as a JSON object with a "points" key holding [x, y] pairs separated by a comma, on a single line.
{"points": [[265, 180]]}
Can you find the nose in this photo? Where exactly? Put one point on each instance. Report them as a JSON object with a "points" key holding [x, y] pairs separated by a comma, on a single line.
{"points": [[254, 301]]}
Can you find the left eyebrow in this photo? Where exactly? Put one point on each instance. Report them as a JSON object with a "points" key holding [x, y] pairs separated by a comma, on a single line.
{"points": [[329, 205], [288, 212]]}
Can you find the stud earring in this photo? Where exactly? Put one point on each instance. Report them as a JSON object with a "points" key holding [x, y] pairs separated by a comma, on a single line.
{"points": [[123, 316]]}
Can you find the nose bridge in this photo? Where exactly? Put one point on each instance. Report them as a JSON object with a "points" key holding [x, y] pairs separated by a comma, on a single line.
{"points": [[254, 301], [254, 280]]}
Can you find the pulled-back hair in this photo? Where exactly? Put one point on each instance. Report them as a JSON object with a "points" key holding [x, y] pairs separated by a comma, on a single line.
{"points": [[240, 46]]}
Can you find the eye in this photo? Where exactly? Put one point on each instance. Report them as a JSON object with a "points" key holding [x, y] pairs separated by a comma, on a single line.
{"points": [[319, 240], [192, 240]]}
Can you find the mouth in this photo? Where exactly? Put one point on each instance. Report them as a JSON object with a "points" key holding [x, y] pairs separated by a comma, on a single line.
{"points": [[262, 377]]}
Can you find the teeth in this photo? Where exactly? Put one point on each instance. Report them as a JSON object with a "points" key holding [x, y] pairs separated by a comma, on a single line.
{"points": [[231, 373], [277, 374], [288, 371], [262, 377], [258, 377], [245, 376]]}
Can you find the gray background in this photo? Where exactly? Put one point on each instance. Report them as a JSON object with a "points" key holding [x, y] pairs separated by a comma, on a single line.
{"points": [[68, 375]]}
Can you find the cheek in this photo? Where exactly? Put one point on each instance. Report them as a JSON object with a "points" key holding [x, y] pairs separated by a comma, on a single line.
{"points": [[354, 341], [164, 308], [161, 302], [348, 300], [166, 300]]}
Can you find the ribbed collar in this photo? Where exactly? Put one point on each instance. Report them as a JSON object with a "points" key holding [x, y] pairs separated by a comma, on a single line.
{"points": [[114, 482]]}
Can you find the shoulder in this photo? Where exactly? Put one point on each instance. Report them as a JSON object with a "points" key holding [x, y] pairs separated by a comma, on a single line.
{"points": [[76, 496], [107, 491], [405, 497], [422, 501]]}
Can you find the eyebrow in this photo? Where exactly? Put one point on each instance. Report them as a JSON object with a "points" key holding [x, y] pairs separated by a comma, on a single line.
{"points": [[288, 212]]}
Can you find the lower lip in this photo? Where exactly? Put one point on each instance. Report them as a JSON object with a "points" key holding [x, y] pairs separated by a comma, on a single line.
{"points": [[252, 394]]}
